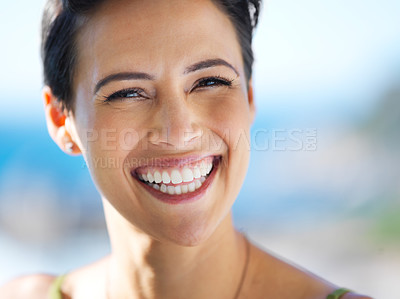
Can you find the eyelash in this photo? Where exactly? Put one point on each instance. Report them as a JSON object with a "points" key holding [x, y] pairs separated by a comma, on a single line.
{"points": [[218, 80], [202, 83], [122, 94]]}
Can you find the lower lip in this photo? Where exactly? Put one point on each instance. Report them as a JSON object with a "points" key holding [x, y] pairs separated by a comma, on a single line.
{"points": [[185, 197]]}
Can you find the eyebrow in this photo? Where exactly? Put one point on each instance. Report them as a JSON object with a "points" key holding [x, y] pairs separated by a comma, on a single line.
{"points": [[122, 76], [209, 63], [144, 76]]}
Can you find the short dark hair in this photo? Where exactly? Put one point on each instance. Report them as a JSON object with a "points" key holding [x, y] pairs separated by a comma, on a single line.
{"points": [[62, 20]]}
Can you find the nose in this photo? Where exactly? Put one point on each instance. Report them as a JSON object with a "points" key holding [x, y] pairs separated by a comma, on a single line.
{"points": [[175, 124]]}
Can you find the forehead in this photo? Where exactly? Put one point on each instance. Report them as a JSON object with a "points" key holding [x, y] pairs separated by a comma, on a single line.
{"points": [[154, 35]]}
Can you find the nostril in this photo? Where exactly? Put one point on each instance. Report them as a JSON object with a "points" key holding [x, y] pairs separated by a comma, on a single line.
{"points": [[175, 136], [154, 136]]}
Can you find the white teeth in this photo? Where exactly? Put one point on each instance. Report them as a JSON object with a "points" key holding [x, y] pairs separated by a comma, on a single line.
{"points": [[184, 188], [171, 190], [191, 187], [165, 177], [150, 177], [196, 173], [203, 168], [197, 184], [209, 167], [187, 175], [157, 177], [176, 177], [185, 180], [178, 190]]}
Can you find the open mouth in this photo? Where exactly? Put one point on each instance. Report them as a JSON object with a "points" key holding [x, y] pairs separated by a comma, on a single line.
{"points": [[178, 180]]}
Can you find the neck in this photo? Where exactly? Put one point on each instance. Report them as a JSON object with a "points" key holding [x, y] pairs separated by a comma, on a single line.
{"points": [[143, 267]]}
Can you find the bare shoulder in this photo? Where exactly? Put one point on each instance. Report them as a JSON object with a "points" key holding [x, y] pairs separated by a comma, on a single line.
{"points": [[86, 281], [29, 286], [81, 283], [268, 274]]}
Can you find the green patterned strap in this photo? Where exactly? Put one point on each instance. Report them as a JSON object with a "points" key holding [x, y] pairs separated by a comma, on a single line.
{"points": [[338, 293], [55, 288]]}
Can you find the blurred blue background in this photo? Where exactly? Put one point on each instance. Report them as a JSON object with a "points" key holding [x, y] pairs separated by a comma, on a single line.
{"points": [[327, 70]]}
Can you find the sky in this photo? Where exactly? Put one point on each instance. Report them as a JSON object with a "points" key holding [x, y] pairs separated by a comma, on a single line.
{"points": [[346, 48], [329, 55]]}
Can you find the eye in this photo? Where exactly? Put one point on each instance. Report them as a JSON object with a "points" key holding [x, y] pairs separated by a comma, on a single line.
{"points": [[129, 93], [211, 82]]}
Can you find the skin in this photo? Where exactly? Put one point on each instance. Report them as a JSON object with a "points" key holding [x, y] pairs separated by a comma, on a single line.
{"points": [[159, 250]]}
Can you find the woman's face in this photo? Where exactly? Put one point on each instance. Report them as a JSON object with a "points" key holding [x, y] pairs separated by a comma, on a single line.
{"points": [[162, 114]]}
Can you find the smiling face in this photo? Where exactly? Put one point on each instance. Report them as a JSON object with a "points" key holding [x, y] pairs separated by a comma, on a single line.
{"points": [[162, 114]]}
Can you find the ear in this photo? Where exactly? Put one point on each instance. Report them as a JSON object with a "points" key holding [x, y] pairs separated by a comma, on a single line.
{"points": [[250, 97], [56, 117]]}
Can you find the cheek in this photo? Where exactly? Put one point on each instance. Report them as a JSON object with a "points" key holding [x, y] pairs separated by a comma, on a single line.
{"points": [[103, 141], [230, 119], [109, 133]]}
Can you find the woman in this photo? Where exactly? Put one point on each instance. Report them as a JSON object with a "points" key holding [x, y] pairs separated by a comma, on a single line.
{"points": [[161, 93]]}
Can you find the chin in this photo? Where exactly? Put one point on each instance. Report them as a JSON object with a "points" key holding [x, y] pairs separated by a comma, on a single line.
{"points": [[190, 233]]}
